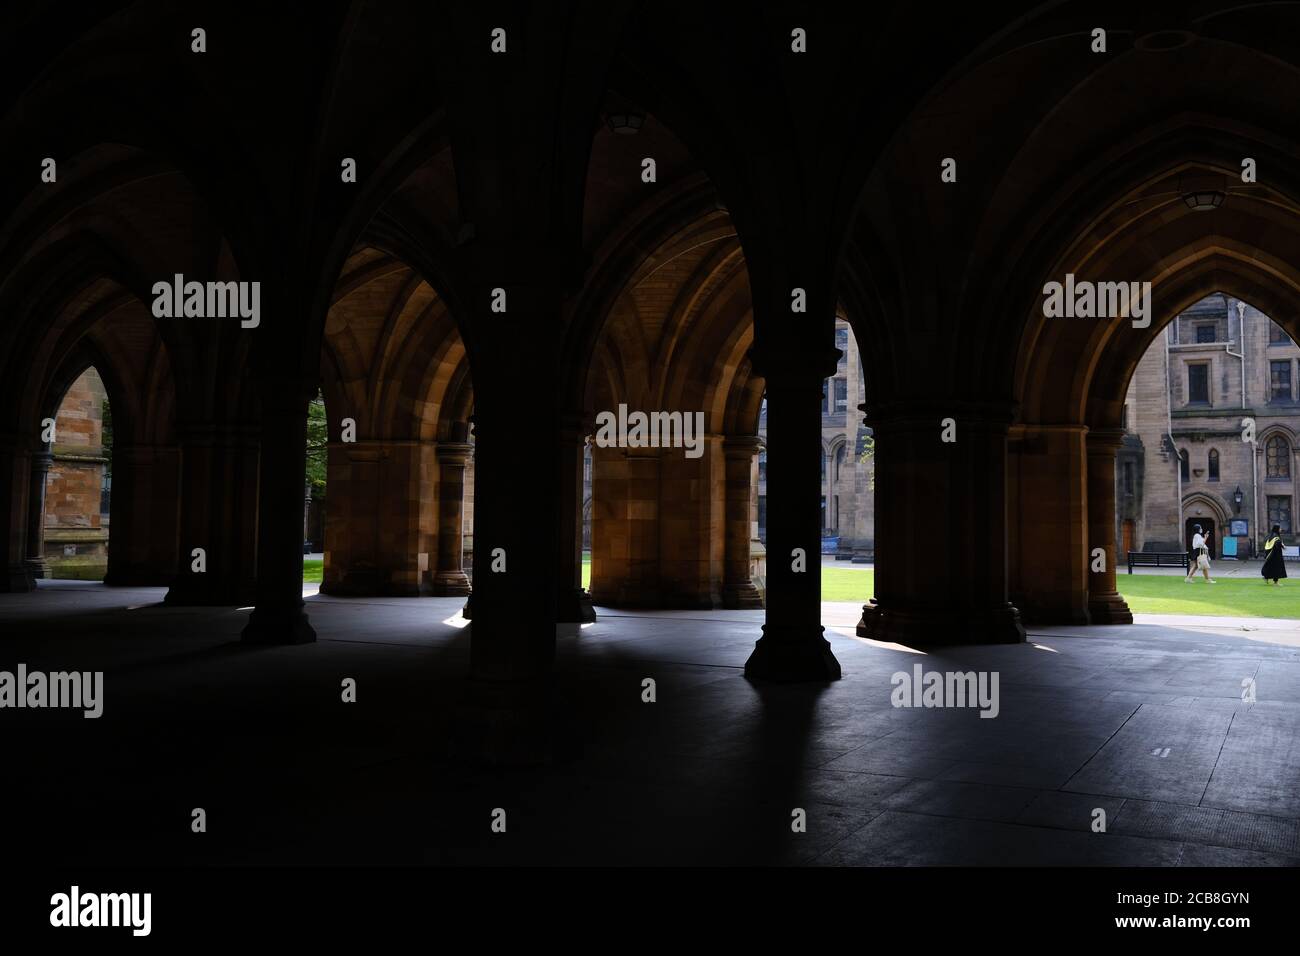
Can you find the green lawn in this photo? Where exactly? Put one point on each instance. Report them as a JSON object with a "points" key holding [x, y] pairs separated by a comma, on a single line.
{"points": [[848, 584], [1229, 597], [1145, 593], [838, 584]]}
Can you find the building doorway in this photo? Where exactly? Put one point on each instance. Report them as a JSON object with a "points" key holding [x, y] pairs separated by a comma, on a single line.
{"points": [[1207, 529]]}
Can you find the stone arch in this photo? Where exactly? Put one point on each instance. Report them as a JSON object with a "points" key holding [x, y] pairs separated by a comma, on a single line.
{"points": [[676, 337], [126, 211], [1072, 375], [1274, 429], [393, 360]]}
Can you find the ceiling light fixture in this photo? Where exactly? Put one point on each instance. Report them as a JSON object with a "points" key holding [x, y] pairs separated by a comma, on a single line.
{"points": [[1203, 201], [625, 124]]}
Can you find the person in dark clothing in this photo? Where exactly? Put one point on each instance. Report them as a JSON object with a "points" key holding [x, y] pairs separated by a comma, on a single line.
{"points": [[1274, 568], [1200, 557]]}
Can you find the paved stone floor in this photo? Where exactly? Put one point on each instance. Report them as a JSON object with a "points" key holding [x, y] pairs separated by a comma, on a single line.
{"points": [[1145, 722]]}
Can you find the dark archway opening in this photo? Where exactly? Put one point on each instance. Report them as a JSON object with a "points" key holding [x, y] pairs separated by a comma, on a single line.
{"points": [[73, 537]]}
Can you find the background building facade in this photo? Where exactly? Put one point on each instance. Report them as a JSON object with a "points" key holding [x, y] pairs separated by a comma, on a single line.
{"points": [[1183, 460], [847, 479], [75, 521]]}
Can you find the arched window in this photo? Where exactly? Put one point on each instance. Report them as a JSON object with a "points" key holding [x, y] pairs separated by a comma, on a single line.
{"points": [[1184, 465], [1277, 459], [1214, 465]]}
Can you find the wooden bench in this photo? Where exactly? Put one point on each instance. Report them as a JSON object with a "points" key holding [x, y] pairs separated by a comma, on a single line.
{"points": [[1157, 559]]}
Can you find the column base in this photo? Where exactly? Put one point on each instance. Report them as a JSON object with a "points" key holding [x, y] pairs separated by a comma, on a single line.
{"points": [[278, 626], [1055, 617], [38, 568], [792, 654], [1000, 625], [1109, 609], [388, 590], [573, 606], [360, 582], [504, 724], [17, 579], [741, 597], [188, 591], [634, 596], [137, 578], [450, 584]]}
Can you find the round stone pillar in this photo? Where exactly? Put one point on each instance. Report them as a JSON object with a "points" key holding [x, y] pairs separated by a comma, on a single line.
{"points": [[738, 589], [572, 602], [1105, 606], [793, 647], [278, 616], [941, 544], [450, 580], [37, 566]]}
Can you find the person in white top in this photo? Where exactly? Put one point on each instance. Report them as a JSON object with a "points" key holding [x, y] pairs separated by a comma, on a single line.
{"points": [[1202, 553]]}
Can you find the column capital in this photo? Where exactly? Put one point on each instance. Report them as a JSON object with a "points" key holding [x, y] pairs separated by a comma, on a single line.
{"points": [[783, 366], [741, 446], [216, 433], [575, 426], [1105, 441], [284, 392], [452, 452], [645, 453], [926, 413]]}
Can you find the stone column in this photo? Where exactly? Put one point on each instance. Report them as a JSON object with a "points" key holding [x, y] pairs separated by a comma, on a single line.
{"points": [[218, 513], [381, 519], [146, 489], [1105, 606], [278, 617], [573, 603], [625, 562], [450, 580], [36, 563], [1049, 581], [352, 561], [757, 550], [516, 516], [306, 512], [15, 483], [941, 544], [792, 647], [738, 589]]}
